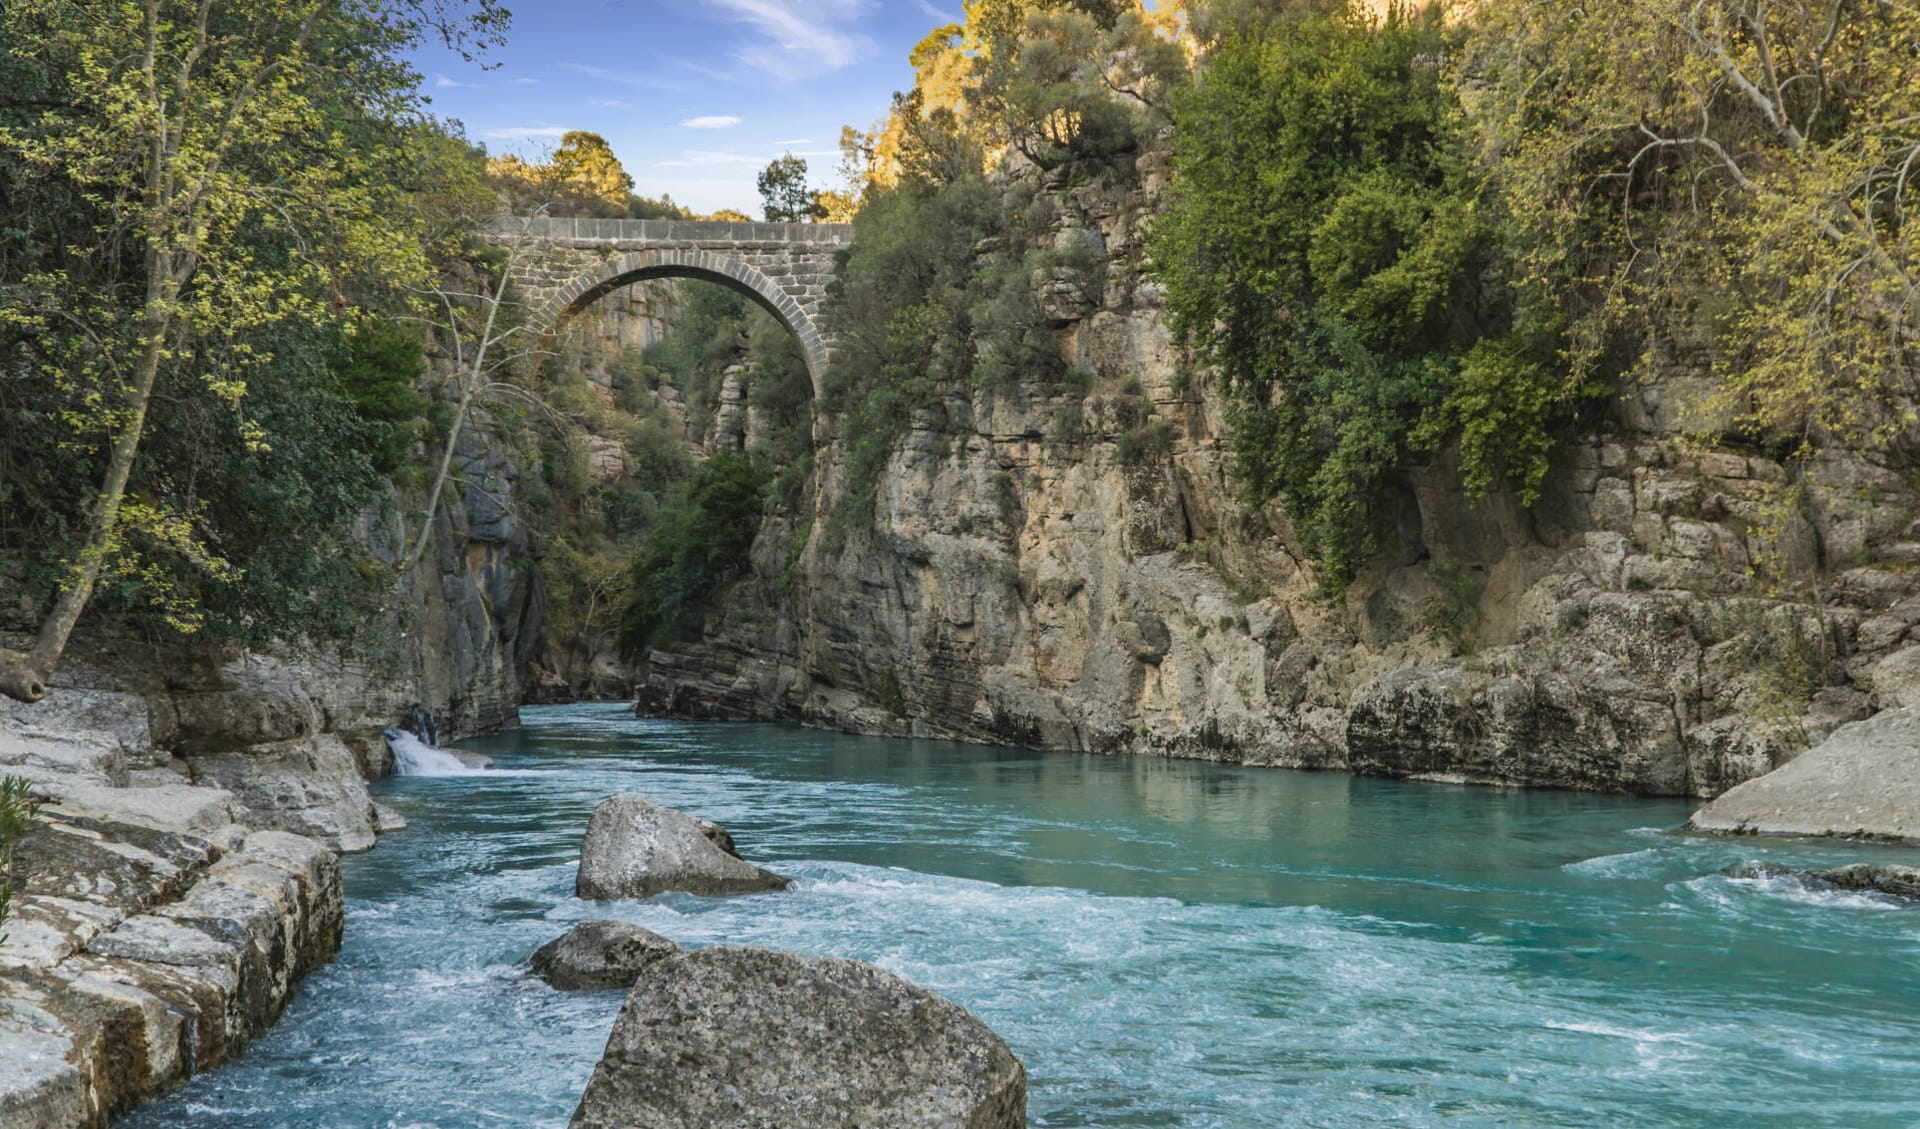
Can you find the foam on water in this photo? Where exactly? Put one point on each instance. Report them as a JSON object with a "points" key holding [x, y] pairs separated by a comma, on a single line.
{"points": [[414, 757], [1787, 887], [1163, 944]]}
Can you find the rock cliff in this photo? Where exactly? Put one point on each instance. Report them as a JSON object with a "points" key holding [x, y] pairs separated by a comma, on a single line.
{"points": [[1059, 570]]}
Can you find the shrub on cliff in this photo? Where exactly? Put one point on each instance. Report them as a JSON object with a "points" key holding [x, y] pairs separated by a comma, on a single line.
{"points": [[699, 541], [1326, 247]]}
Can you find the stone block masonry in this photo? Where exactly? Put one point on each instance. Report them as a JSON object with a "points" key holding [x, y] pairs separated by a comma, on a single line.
{"points": [[564, 265]]}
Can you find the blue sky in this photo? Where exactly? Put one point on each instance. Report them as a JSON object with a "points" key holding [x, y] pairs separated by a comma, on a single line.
{"points": [[695, 96]]}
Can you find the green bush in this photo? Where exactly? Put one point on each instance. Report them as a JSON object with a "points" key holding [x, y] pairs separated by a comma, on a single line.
{"points": [[18, 808], [699, 541], [1328, 249]]}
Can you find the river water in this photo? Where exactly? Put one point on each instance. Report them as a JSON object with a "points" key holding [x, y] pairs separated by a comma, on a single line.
{"points": [[1163, 943]]}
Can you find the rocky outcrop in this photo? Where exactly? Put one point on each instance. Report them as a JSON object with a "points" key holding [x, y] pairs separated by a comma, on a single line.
{"points": [[599, 954], [153, 935], [1899, 882], [182, 879], [635, 848], [728, 1038], [1863, 780]]}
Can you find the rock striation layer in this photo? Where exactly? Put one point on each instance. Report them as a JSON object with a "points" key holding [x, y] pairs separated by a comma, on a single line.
{"points": [[731, 1038], [153, 936], [635, 848]]}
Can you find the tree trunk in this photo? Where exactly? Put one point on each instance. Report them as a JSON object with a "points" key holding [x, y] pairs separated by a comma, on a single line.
{"points": [[24, 677]]}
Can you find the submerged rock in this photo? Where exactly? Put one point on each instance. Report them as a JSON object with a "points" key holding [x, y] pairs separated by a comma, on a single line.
{"points": [[1863, 780], [599, 954], [1902, 882], [635, 849], [736, 1037]]}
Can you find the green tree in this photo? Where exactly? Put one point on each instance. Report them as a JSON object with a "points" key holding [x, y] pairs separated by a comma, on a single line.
{"points": [[1738, 171], [377, 368], [18, 809], [223, 152], [1326, 247], [783, 189], [585, 166], [699, 541]]}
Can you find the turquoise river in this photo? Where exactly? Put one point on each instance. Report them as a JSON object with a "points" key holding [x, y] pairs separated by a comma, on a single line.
{"points": [[1163, 943]]}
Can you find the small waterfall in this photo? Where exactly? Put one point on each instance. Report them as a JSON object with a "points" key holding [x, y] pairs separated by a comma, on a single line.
{"points": [[414, 757]]}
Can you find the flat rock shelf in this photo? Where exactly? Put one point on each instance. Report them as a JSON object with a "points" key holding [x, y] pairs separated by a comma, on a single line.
{"points": [[1161, 943]]}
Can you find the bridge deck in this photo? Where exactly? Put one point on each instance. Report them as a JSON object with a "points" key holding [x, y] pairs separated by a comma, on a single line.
{"points": [[575, 230]]}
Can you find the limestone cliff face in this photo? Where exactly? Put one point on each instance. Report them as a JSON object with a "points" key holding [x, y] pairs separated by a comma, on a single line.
{"points": [[1666, 620]]}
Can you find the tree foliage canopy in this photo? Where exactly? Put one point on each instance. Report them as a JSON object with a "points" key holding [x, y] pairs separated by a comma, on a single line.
{"points": [[1734, 173], [199, 204], [1328, 249]]}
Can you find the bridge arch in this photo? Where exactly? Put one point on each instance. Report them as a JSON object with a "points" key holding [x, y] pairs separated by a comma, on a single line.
{"points": [[706, 266]]}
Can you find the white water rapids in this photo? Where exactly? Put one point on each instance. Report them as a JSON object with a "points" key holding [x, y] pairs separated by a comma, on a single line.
{"points": [[414, 757]]}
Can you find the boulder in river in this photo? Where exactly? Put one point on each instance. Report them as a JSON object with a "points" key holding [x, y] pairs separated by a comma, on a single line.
{"points": [[599, 954], [1862, 780], [636, 848], [729, 1038]]}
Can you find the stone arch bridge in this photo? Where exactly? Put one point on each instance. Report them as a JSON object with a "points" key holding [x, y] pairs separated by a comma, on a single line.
{"points": [[564, 265]]}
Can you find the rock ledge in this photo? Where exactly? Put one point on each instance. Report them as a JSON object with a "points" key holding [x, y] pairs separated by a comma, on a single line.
{"points": [[1863, 780]]}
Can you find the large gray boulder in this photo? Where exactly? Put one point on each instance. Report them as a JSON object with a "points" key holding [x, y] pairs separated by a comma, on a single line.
{"points": [[728, 1038], [1863, 780], [599, 954], [635, 849]]}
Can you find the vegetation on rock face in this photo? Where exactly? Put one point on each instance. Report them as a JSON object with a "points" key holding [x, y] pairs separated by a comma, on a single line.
{"points": [[659, 409], [1396, 236], [699, 542], [957, 272], [1328, 250], [18, 807], [1726, 185]]}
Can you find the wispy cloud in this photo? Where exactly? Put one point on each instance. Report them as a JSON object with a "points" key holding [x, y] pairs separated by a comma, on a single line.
{"points": [[711, 121], [706, 158], [704, 71], [792, 43], [943, 17], [623, 77], [610, 103], [525, 132], [792, 142], [524, 81], [442, 82]]}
